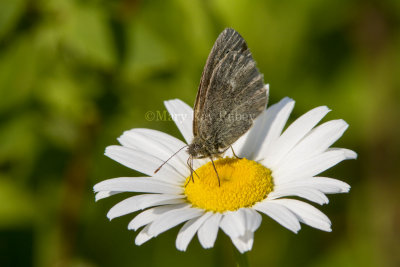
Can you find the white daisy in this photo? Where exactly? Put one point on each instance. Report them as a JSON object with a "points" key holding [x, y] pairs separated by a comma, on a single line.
{"points": [[275, 166]]}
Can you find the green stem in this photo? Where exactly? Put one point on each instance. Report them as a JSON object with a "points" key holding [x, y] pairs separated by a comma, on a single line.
{"points": [[241, 259]]}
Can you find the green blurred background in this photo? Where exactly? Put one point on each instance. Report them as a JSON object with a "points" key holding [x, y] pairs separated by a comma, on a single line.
{"points": [[75, 74]]}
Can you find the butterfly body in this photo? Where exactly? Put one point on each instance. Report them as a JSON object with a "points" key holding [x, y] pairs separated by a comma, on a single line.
{"points": [[205, 148]]}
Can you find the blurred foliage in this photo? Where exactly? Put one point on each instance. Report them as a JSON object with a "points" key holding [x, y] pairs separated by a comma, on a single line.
{"points": [[75, 74]]}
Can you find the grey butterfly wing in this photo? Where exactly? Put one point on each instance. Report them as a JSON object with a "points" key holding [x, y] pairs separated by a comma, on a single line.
{"points": [[228, 41], [235, 96]]}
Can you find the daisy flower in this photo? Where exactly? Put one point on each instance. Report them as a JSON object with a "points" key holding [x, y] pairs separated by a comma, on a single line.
{"points": [[272, 166]]}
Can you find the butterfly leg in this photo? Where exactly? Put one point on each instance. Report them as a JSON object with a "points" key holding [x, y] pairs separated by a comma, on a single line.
{"points": [[219, 181], [235, 154]]}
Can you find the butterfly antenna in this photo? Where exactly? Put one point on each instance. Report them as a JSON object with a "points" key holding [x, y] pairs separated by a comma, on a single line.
{"points": [[168, 159], [219, 182]]}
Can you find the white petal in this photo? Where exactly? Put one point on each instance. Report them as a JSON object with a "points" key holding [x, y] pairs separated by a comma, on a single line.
{"points": [[308, 193], [143, 236], [182, 114], [244, 243], [148, 216], [307, 214], [208, 232], [248, 145], [138, 184], [104, 194], [233, 223], [278, 115], [279, 213], [267, 90], [253, 219], [140, 202], [312, 166], [189, 229], [261, 132], [169, 141], [293, 134], [156, 147], [318, 140], [173, 218], [323, 184], [143, 162]]}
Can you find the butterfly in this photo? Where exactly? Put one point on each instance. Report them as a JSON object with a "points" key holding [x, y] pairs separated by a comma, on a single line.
{"points": [[231, 95]]}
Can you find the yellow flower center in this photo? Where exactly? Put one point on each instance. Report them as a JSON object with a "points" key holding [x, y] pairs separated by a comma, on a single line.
{"points": [[243, 183]]}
